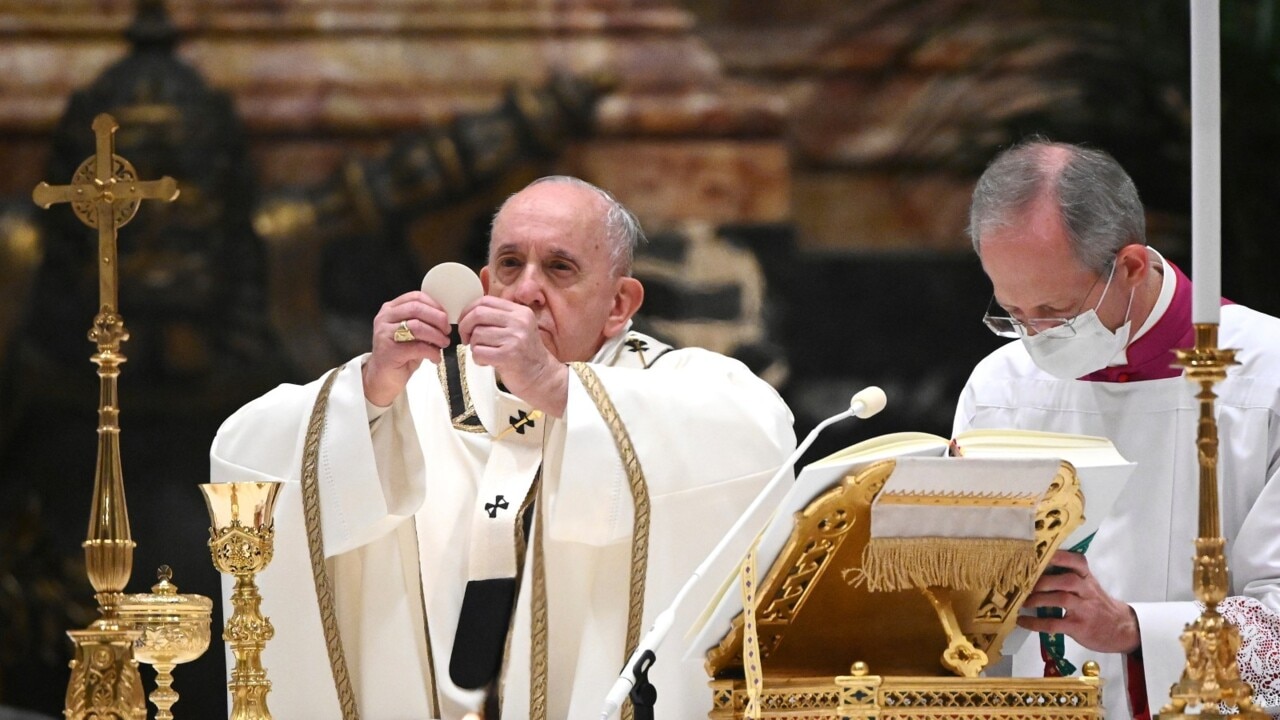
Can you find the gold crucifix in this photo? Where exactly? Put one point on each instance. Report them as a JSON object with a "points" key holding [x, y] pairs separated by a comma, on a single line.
{"points": [[105, 193]]}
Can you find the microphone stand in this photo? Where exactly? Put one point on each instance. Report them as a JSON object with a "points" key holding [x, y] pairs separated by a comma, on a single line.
{"points": [[643, 695], [864, 404]]}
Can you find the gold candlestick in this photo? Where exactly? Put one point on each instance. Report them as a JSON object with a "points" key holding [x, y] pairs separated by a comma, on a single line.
{"points": [[172, 629], [242, 542], [105, 193], [1211, 676]]}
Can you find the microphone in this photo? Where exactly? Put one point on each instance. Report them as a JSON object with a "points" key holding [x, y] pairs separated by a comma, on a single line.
{"points": [[863, 404]]}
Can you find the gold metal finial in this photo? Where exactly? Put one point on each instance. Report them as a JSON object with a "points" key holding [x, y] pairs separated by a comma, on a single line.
{"points": [[1210, 681], [105, 193]]}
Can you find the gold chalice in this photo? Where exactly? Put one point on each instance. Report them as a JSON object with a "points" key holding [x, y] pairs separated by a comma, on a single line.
{"points": [[241, 542], [174, 629]]}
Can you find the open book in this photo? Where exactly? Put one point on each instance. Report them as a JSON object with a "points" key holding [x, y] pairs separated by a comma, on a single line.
{"points": [[1100, 468]]}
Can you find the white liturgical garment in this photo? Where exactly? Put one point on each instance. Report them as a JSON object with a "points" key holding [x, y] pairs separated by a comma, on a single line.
{"points": [[1142, 552], [404, 500]]}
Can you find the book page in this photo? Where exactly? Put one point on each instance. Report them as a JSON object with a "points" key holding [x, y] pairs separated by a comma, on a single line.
{"points": [[883, 447]]}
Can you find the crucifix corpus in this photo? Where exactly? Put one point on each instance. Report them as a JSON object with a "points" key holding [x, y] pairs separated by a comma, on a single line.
{"points": [[105, 193]]}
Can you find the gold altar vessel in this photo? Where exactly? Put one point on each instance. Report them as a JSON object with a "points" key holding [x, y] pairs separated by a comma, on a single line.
{"points": [[172, 629], [105, 193], [241, 541], [831, 649]]}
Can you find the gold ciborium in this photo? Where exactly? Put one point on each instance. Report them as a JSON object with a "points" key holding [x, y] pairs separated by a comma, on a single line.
{"points": [[172, 629], [241, 542]]}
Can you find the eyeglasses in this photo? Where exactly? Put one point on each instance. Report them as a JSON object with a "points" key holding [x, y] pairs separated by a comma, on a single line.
{"points": [[998, 320]]}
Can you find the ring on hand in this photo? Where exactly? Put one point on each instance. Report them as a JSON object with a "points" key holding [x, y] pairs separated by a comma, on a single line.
{"points": [[402, 333]]}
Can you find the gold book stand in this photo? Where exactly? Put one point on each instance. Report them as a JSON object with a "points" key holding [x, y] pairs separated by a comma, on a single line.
{"points": [[833, 650]]}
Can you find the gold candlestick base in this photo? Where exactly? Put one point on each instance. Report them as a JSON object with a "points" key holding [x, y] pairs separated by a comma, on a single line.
{"points": [[105, 684], [242, 543], [1211, 679]]}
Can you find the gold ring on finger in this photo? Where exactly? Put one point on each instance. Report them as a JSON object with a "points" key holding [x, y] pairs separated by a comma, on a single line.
{"points": [[402, 333]]}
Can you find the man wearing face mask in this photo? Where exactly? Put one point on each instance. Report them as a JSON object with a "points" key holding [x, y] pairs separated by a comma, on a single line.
{"points": [[1061, 234]]}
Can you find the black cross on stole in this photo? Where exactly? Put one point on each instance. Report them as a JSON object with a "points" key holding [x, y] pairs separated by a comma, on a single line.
{"points": [[499, 503], [523, 420]]}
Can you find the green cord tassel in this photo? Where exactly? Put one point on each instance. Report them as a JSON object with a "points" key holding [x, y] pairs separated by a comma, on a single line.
{"points": [[1054, 646]]}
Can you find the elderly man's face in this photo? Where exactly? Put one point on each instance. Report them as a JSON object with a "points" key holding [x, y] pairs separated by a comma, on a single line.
{"points": [[549, 253], [1035, 274]]}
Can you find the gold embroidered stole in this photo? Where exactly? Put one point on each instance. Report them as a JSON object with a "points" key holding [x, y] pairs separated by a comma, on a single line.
{"points": [[319, 571], [640, 499], [466, 421], [315, 544], [539, 628]]}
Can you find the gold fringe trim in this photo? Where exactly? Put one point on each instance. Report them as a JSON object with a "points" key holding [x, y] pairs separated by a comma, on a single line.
{"points": [[639, 498], [956, 563], [315, 543]]}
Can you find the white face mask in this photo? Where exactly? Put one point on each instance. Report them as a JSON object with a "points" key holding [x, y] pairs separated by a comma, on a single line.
{"points": [[1091, 348]]}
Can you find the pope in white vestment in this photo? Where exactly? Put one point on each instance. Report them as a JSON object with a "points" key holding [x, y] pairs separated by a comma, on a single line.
{"points": [[600, 509], [1142, 553]]}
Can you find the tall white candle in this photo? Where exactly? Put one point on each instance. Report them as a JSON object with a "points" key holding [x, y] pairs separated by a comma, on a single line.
{"points": [[1206, 162]]}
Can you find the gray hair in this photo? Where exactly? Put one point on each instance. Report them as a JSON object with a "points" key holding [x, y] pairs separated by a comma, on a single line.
{"points": [[1097, 199], [621, 227]]}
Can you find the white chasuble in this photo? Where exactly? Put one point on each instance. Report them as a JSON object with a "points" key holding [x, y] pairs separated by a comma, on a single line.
{"points": [[1142, 552], [433, 496]]}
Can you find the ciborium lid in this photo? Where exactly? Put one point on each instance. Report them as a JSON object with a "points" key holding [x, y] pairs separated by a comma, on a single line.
{"points": [[165, 600]]}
